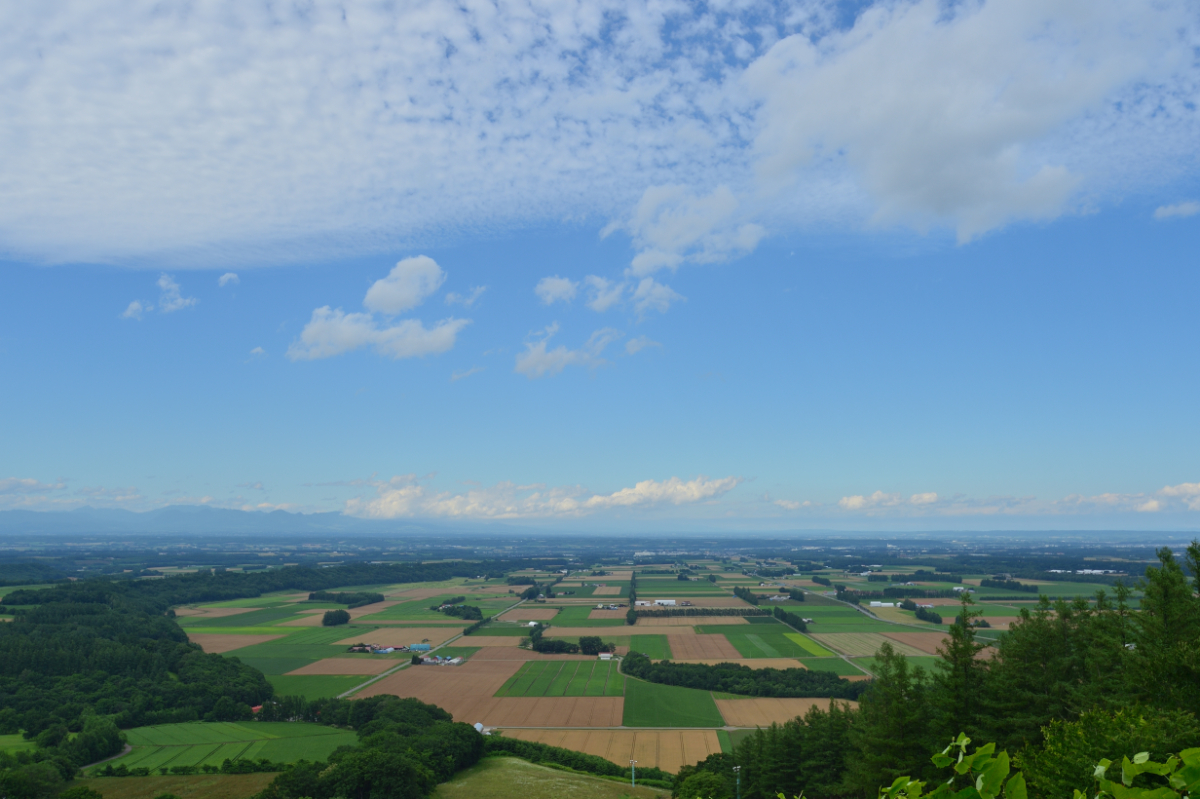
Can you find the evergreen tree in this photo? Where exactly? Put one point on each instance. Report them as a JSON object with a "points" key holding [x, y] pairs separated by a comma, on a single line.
{"points": [[960, 674]]}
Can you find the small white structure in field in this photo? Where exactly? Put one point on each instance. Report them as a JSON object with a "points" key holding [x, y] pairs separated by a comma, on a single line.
{"points": [[883, 604], [606, 655], [670, 602], [531, 624], [642, 603]]}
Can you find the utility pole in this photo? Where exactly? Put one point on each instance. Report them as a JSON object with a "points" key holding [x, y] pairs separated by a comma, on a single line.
{"points": [[737, 770], [633, 773]]}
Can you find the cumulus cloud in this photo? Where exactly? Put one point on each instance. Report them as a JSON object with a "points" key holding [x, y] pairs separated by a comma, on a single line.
{"points": [[28, 485], [228, 278], [604, 293], [332, 331], [406, 496], [539, 361], [134, 310], [791, 504], [650, 295], [1178, 210], [258, 352], [636, 345], [406, 286], [474, 370], [881, 500], [169, 298], [969, 114], [466, 300], [554, 289]]}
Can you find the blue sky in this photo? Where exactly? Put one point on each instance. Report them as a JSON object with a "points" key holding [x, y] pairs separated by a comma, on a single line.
{"points": [[760, 266]]}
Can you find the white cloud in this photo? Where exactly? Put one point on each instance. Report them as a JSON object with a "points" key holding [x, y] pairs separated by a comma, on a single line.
{"points": [[671, 224], [333, 331], [406, 286], [227, 278], [466, 300], [927, 498], [405, 496], [1178, 210], [240, 132], [474, 370], [538, 361], [603, 293], [791, 504], [636, 345], [28, 485], [972, 114], [258, 352], [553, 289], [135, 310], [1150, 506], [651, 295], [170, 299], [1187, 493], [882, 500]]}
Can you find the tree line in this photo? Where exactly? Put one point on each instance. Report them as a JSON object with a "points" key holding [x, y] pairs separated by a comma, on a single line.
{"points": [[736, 679], [1068, 684]]}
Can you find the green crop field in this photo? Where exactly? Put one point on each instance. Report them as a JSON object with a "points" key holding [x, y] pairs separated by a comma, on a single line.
{"points": [[578, 617], [651, 705], [314, 686], [510, 778], [199, 743], [193, 786], [565, 678], [251, 619], [767, 644], [835, 664], [654, 647], [809, 645]]}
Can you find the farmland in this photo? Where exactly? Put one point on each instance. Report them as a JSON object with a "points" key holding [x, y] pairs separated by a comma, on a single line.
{"points": [[565, 678], [201, 744], [509, 778], [650, 705]]}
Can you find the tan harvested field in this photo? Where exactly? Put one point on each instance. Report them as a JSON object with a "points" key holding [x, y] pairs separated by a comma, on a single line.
{"points": [[763, 711], [227, 642], [603, 632], [212, 613], [927, 643], [687, 647], [490, 640], [754, 663], [403, 636], [608, 614], [364, 666], [608, 590], [867, 644], [528, 614], [669, 750], [466, 691], [688, 621]]}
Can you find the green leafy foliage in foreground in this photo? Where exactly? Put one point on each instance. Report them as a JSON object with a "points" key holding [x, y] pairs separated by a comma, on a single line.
{"points": [[736, 679]]}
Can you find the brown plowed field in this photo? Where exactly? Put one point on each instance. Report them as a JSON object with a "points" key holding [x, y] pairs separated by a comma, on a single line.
{"points": [[608, 590], [227, 642], [608, 614], [685, 647], [349, 666], [754, 663], [763, 711], [529, 614], [688, 621], [466, 691], [403, 636], [212, 613], [927, 643]]}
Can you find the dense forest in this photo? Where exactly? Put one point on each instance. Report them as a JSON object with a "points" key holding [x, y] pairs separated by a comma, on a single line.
{"points": [[1069, 684]]}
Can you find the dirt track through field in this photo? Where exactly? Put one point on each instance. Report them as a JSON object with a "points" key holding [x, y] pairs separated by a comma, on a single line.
{"points": [[212, 613], [467, 692], [227, 642], [763, 711], [686, 647], [352, 666], [688, 621], [403, 636], [669, 750], [926, 643], [528, 614]]}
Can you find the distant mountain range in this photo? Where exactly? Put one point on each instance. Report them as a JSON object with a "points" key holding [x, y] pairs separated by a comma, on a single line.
{"points": [[182, 519]]}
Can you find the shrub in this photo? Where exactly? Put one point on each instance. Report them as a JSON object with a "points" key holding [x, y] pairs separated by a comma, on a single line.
{"points": [[333, 618]]}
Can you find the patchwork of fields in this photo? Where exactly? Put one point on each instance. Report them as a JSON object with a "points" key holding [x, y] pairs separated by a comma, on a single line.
{"points": [[577, 702]]}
